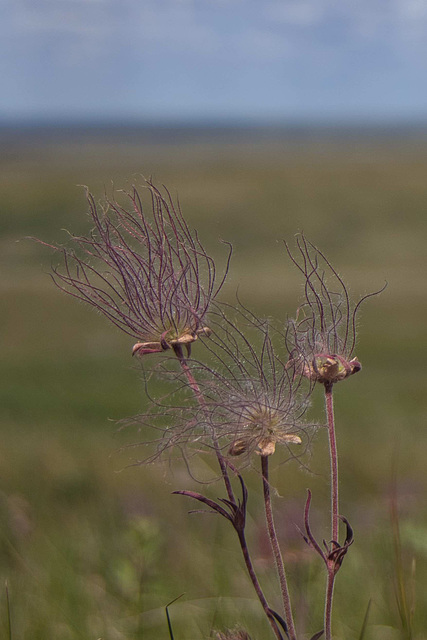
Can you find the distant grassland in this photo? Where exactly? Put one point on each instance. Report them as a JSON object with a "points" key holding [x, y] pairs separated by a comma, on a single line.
{"points": [[91, 553]]}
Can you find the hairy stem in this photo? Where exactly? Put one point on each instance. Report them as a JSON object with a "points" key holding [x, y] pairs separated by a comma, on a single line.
{"points": [[334, 460], [276, 550], [328, 604], [257, 586], [334, 505], [201, 400], [222, 463]]}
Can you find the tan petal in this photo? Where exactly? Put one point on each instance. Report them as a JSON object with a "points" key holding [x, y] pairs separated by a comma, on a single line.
{"points": [[290, 438], [266, 447], [142, 348], [187, 338], [204, 331]]}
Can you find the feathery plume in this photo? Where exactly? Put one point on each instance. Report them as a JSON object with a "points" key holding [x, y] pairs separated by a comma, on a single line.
{"points": [[147, 273], [322, 338]]}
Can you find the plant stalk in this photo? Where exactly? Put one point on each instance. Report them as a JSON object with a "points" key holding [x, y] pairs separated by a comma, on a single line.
{"points": [[222, 463], [333, 453], [334, 460], [276, 550], [201, 400], [257, 586]]}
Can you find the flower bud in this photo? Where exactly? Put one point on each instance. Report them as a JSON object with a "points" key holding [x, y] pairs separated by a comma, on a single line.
{"points": [[238, 447]]}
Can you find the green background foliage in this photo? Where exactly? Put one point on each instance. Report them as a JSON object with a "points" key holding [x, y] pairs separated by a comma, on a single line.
{"points": [[94, 548]]}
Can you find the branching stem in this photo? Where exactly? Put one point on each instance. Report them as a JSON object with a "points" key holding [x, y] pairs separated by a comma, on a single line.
{"points": [[224, 471]]}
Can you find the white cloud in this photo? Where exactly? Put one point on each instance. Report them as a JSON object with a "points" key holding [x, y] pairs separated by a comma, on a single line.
{"points": [[63, 33], [163, 49], [61, 16], [269, 29], [304, 13], [412, 9], [173, 25], [261, 45]]}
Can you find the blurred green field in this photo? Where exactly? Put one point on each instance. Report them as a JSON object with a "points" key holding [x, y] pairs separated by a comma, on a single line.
{"points": [[91, 548]]}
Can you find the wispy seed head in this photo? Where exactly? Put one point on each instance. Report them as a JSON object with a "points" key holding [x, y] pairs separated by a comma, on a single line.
{"points": [[252, 401], [148, 273], [322, 338]]}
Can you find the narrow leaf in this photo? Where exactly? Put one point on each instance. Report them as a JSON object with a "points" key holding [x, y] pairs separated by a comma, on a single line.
{"points": [[168, 617], [207, 501], [280, 621], [9, 617]]}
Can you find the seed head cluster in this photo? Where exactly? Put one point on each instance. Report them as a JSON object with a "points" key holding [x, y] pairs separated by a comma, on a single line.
{"points": [[252, 401], [322, 337], [147, 273]]}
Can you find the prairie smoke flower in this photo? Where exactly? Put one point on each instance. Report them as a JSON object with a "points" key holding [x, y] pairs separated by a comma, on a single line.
{"points": [[322, 338], [252, 402], [249, 401], [147, 273]]}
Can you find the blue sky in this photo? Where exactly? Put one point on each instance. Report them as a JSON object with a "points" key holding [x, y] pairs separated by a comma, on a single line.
{"points": [[207, 59]]}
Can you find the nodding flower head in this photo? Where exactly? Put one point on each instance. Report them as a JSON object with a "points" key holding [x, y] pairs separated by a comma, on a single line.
{"points": [[239, 399], [262, 426], [147, 273], [322, 337], [252, 402]]}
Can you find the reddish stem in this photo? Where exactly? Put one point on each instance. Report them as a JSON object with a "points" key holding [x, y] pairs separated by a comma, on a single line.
{"points": [[257, 586], [328, 604], [334, 505], [241, 535], [276, 550], [201, 400], [333, 458]]}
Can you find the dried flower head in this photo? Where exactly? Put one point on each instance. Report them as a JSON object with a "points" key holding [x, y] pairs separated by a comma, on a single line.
{"points": [[147, 273], [252, 402], [322, 338], [247, 401]]}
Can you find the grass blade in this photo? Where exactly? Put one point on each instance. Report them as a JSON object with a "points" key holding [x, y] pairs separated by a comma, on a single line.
{"points": [[365, 621], [168, 617], [9, 617]]}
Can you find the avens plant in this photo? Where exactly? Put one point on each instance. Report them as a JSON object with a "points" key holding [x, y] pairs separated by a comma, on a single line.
{"points": [[321, 342], [244, 394], [253, 403]]}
